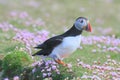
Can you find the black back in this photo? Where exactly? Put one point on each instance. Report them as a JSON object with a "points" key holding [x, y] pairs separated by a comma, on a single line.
{"points": [[50, 44]]}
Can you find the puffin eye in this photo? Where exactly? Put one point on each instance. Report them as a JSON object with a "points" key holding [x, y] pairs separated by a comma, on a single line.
{"points": [[81, 21]]}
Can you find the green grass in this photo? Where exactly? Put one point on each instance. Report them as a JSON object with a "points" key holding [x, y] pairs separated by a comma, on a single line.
{"points": [[58, 14], [88, 57], [63, 13]]}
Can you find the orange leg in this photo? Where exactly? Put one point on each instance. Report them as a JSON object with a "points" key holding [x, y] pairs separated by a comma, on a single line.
{"points": [[60, 62]]}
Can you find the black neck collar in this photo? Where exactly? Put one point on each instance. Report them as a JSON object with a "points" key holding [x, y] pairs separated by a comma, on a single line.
{"points": [[72, 32]]}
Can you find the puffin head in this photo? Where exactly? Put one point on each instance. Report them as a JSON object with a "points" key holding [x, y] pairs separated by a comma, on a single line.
{"points": [[83, 23]]}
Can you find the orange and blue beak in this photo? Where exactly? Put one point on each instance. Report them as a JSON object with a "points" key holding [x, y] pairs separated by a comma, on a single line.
{"points": [[89, 27]]}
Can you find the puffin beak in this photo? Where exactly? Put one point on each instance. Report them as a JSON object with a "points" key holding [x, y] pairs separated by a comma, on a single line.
{"points": [[88, 27]]}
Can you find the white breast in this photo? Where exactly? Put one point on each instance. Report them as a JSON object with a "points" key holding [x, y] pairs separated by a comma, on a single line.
{"points": [[68, 46]]}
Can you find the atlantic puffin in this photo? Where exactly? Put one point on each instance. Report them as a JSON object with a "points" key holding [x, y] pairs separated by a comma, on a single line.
{"points": [[61, 46]]}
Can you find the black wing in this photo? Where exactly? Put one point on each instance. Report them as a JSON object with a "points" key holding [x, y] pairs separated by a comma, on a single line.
{"points": [[48, 45]]}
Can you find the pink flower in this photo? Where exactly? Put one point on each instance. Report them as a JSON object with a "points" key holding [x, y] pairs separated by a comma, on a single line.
{"points": [[69, 65], [23, 15], [49, 74], [95, 77], [30, 39], [54, 67], [118, 69], [49, 69], [16, 78], [49, 62], [13, 13], [27, 23], [114, 74], [88, 66], [80, 63], [42, 70], [84, 77], [58, 72], [6, 79], [36, 63], [6, 26], [33, 70], [44, 75]]}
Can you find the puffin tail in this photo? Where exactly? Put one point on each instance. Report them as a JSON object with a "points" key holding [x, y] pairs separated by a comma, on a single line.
{"points": [[38, 53], [39, 46]]}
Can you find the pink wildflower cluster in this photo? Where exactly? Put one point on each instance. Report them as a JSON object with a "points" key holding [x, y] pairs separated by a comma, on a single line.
{"points": [[46, 68], [30, 39], [26, 19], [24, 36], [107, 40], [50, 69], [21, 15], [110, 69], [109, 43], [6, 27]]}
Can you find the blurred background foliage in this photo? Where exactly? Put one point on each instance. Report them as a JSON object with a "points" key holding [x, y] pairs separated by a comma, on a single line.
{"points": [[58, 14]]}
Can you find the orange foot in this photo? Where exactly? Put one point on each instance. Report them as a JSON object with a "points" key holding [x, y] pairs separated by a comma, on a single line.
{"points": [[60, 62]]}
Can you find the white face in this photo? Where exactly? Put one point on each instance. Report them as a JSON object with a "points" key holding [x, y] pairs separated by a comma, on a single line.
{"points": [[80, 23]]}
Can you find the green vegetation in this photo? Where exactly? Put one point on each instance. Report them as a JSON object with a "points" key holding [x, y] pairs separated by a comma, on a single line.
{"points": [[55, 16], [14, 63]]}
